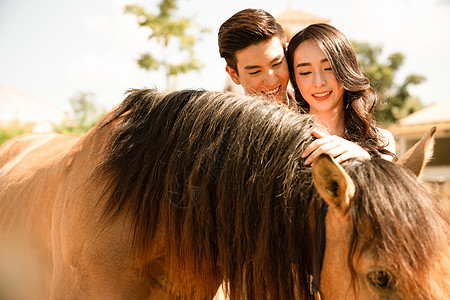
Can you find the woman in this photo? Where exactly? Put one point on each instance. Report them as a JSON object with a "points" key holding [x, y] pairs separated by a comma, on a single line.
{"points": [[329, 84]]}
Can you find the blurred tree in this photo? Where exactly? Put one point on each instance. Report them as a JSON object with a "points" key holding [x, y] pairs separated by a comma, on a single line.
{"points": [[395, 100], [86, 115], [10, 132], [165, 29]]}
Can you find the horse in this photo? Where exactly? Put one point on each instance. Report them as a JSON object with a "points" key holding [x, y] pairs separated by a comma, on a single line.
{"points": [[172, 194]]}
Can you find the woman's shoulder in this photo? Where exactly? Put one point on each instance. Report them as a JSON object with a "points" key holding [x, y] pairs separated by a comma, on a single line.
{"points": [[388, 139]]}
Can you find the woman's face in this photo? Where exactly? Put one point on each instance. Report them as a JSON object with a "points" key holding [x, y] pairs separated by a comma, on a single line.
{"points": [[316, 81]]}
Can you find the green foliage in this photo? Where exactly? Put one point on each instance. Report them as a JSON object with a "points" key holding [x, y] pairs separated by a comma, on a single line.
{"points": [[10, 132], [167, 30], [396, 101], [86, 115], [148, 62]]}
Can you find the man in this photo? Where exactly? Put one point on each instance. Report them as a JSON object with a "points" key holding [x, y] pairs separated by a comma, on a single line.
{"points": [[253, 45]]}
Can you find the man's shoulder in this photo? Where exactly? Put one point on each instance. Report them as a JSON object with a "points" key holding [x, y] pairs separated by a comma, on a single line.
{"points": [[388, 139], [290, 95]]}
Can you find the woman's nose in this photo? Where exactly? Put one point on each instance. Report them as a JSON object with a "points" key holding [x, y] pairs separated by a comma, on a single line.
{"points": [[319, 79]]}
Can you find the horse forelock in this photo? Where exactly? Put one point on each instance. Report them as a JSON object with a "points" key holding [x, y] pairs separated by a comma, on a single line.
{"points": [[221, 174], [395, 215]]}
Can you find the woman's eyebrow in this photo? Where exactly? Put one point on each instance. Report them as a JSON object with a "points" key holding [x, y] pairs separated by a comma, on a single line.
{"points": [[302, 64], [308, 64]]}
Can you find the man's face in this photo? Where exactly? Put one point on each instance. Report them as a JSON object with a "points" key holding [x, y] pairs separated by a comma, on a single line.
{"points": [[262, 69]]}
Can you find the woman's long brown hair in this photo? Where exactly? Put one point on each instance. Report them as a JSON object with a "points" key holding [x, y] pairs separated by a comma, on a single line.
{"points": [[360, 98]]}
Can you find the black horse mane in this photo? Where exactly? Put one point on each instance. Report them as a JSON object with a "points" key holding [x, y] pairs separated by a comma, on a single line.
{"points": [[222, 174]]}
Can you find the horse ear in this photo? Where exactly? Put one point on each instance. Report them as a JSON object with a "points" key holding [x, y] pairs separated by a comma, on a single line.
{"points": [[332, 182], [417, 157]]}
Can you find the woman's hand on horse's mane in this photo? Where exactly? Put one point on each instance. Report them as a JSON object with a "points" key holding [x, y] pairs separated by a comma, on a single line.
{"points": [[340, 148]]}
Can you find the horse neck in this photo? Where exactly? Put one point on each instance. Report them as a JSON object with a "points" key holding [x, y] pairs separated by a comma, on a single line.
{"points": [[93, 143]]}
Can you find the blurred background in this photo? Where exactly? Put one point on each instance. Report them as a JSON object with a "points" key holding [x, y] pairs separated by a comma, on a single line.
{"points": [[54, 49], [64, 63]]}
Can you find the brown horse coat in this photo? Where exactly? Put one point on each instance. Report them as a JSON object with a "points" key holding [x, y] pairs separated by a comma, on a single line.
{"points": [[172, 193]]}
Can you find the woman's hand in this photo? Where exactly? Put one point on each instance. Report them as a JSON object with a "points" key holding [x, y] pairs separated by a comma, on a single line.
{"points": [[341, 149]]}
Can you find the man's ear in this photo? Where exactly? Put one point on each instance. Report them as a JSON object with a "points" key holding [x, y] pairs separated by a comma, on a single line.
{"points": [[233, 75]]}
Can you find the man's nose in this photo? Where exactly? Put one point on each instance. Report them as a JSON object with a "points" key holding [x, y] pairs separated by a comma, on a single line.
{"points": [[271, 78]]}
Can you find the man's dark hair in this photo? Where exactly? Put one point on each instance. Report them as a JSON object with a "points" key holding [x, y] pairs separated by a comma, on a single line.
{"points": [[246, 28]]}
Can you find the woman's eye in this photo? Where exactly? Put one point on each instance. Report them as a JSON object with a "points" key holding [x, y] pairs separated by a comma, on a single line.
{"points": [[304, 73], [254, 73], [381, 280], [328, 69]]}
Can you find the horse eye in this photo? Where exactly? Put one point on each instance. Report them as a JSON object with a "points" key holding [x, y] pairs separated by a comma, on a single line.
{"points": [[381, 280]]}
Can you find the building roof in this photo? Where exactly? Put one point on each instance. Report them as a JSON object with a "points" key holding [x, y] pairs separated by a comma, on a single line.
{"points": [[295, 16], [293, 20], [435, 113], [21, 109], [417, 123]]}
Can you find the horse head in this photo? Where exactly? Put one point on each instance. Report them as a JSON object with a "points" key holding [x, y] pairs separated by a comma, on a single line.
{"points": [[385, 236]]}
